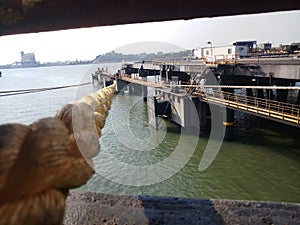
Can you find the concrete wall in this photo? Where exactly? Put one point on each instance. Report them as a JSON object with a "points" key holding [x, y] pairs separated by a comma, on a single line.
{"points": [[285, 67], [96, 208], [282, 71], [181, 107]]}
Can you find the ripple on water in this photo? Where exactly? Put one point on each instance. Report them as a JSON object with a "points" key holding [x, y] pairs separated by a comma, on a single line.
{"points": [[261, 166]]}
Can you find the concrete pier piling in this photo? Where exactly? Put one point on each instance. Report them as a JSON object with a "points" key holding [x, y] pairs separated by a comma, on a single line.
{"points": [[228, 117], [260, 93], [137, 89], [249, 92], [121, 85], [298, 98], [228, 123], [281, 95], [202, 109], [270, 94], [130, 89], [144, 93]]}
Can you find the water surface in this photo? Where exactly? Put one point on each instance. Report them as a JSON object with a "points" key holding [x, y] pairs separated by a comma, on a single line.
{"points": [[263, 163]]}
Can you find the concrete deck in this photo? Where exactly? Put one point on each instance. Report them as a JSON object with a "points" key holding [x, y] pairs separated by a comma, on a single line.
{"points": [[96, 208]]}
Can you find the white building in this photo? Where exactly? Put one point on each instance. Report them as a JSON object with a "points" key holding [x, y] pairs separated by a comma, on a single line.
{"points": [[27, 59], [225, 53]]}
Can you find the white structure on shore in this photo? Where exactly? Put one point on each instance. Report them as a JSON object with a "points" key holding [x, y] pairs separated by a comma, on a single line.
{"points": [[27, 59], [225, 53]]}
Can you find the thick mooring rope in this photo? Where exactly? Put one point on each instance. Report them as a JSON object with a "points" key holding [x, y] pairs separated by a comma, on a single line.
{"points": [[41, 162], [34, 90]]}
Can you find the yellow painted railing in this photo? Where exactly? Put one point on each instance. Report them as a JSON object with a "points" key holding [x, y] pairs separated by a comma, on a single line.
{"points": [[274, 109]]}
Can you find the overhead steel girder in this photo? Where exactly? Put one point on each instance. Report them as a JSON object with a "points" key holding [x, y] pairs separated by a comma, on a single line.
{"points": [[24, 16]]}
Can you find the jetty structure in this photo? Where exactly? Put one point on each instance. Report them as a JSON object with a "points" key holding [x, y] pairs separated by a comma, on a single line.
{"points": [[93, 208], [187, 90]]}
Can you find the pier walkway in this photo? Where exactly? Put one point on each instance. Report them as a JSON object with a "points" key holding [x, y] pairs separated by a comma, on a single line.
{"points": [[279, 111], [269, 109], [143, 82]]}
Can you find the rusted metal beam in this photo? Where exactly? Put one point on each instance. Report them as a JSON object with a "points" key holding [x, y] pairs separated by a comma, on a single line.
{"points": [[24, 16]]}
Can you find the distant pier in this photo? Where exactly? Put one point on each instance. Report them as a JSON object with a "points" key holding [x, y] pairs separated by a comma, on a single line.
{"points": [[187, 92]]}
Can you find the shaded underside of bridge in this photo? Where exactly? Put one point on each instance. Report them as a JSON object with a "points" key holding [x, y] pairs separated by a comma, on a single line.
{"points": [[42, 15]]}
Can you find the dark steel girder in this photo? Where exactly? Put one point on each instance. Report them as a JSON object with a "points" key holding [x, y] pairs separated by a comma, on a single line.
{"points": [[25, 16]]}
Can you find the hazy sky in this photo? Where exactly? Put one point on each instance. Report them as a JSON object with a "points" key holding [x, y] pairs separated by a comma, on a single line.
{"points": [[87, 43]]}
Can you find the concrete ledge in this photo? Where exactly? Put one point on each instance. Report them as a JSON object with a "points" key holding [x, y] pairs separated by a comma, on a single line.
{"points": [[97, 208]]}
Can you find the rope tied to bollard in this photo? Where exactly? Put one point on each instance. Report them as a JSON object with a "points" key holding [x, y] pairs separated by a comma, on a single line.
{"points": [[41, 162]]}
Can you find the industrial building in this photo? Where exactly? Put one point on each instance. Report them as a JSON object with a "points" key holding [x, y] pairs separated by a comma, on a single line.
{"points": [[224, 53], [28, 59]]}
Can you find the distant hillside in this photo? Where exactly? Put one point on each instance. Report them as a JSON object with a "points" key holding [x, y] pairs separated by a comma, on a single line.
{"points": [[118, 57]]}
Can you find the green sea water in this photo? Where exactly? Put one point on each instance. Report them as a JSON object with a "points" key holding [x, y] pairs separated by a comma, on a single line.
{"points": [[262, 163]]}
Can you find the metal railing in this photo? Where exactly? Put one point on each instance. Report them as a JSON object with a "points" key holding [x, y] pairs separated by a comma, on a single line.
{"points": [[287, 112]]}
